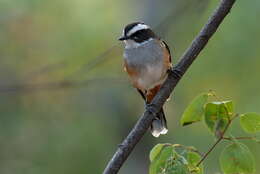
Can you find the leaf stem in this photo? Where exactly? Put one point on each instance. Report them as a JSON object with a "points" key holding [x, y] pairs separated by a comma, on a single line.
{"points": [[208, 152], [216, 143], [239, 138]]}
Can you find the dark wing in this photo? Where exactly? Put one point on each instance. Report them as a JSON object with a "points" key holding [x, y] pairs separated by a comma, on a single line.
{"points": [[142, 94], [168, 49]]}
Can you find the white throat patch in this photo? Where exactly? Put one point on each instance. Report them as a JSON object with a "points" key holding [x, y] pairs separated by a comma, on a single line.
{"points": [[137, 28]]}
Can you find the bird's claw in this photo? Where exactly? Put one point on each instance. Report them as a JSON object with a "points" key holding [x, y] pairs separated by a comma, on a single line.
{"points": [[175, 72], [150, 108]]}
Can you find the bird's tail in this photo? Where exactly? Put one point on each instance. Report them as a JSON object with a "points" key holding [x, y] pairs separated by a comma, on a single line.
{"points": [[159, 124]]}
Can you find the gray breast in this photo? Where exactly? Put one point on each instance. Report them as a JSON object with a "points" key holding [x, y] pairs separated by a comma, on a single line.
{"points": [[147, 60], [145, 55]]}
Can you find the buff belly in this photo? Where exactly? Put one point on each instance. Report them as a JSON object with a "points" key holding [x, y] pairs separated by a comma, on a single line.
{"points": [[150, 77]]}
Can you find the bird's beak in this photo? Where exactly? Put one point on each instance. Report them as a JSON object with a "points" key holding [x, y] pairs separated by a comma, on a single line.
{"points": [[123, 38]]}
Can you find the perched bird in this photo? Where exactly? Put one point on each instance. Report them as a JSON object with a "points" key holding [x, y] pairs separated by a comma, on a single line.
{"points": [[147, 60]]}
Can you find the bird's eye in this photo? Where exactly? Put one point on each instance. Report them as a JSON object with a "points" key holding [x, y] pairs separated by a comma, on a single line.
{"points": [[135, 37]]}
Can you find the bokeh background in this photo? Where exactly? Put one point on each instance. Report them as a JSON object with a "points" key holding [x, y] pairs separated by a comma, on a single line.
{"points": [[65, 102]]}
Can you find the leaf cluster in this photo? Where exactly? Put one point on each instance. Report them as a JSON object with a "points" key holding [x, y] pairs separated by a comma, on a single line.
{"points": [[217, 115], [173, 158]]}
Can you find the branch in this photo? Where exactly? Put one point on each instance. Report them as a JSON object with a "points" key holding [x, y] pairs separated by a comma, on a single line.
{"points": [[174, 76]]}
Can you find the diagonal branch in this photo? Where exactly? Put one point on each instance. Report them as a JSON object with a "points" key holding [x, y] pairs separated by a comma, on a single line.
{"points": [[174, 76]]}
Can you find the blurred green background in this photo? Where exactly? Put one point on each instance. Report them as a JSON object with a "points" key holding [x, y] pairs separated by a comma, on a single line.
{"points": [[66, 104]]}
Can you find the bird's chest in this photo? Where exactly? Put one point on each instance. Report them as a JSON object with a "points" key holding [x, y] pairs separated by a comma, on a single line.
{"points": [[147, 65]]}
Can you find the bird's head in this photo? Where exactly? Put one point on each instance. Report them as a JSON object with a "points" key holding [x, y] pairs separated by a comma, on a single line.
{"points": [[136, 34]]}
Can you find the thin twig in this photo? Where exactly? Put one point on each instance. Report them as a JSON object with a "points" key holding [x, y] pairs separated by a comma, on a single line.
{"points": [[221, 137], [215, 144], [239, 138], [174, 76]]}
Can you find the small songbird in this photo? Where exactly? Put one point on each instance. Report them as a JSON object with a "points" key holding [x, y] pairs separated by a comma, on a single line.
{"points": [[147, 60]]}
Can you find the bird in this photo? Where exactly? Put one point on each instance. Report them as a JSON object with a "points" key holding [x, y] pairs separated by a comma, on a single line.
{"points": [[147, 60]]}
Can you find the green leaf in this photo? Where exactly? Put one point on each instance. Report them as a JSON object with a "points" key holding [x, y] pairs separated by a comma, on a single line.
{"points": [[193, 158], [156, 151], [217, 115], [195, 110], [236, 158], [167, 161], [226, 108], [250, 122], [211, 115], [158, 165], [176, 165]]}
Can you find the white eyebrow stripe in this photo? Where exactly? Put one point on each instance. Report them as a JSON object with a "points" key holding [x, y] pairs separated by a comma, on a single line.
{"points": [[137, 28]]}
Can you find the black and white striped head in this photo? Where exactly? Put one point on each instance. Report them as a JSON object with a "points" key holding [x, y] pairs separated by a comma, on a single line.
{"points": [[136, 34]]}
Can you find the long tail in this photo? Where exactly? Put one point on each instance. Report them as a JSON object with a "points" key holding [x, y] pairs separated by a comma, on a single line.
{"points": [[159, 124]]}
